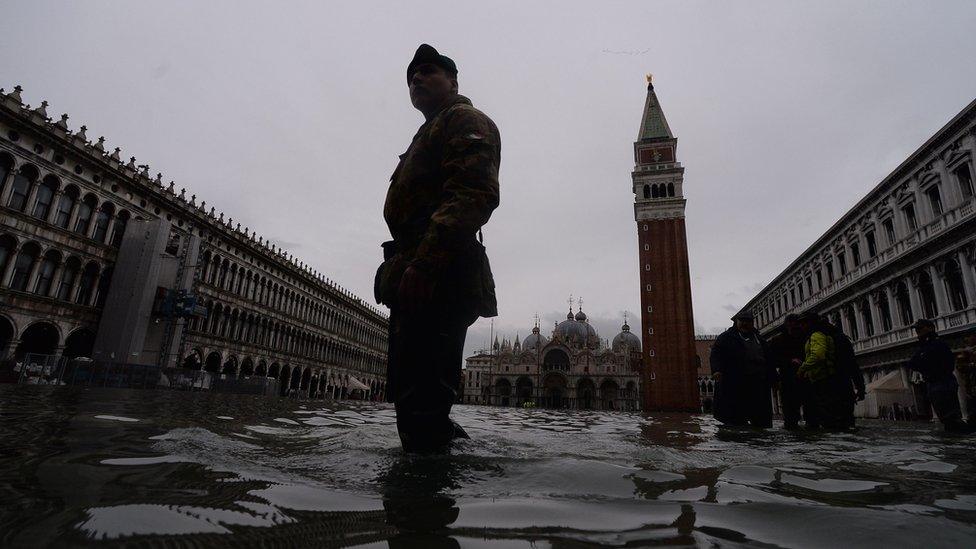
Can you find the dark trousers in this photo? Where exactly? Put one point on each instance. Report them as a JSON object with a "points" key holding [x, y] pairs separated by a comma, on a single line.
{"points": [[744, 400], [424, 374], [944, 396], [793, 396], [830, 403]]}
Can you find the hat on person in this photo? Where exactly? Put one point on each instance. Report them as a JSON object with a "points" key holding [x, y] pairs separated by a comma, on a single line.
{"points": [[743, 315], [923, 322], [427, 54]]}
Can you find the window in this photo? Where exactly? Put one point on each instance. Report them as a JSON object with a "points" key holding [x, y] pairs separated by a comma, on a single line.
{"points": [[852, 322], [647, 191], [85, 210], [965, 179], [842, 264], [68, 276], [102, 219], [885, 311], [23, 266], [45, 275], [904, 304], [926, 292], [809, 285], [872, 245], [21, 190], [889, 229], [856, 254], [935, 200], [819, 279], [910, 219], [87, 287], [954, 286], [647, 247], [647, 267], [63, 214], [830, 271], [45, 197], [648, 287], [867, 317]]}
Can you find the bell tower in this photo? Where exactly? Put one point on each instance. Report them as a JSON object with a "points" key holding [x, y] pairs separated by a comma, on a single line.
{"points": [[667, 324]]}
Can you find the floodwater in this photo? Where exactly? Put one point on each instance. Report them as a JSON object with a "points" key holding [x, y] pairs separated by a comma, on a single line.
{"points": [[82, 466]]}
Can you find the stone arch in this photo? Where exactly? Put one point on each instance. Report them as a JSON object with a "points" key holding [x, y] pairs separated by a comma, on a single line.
{"points": [[275, 370], [284, 380], [261, 369], [523, 390], [89, 280], [79, 343], [555, 385], [503, 391], [647, 191], [8, 248], [609, 394], [556, 359], [247, 368], [585, 393], [295, 382], [41, 337], [213, 362], [103, 218], [194, 360], [230, 366], [670, 189]]}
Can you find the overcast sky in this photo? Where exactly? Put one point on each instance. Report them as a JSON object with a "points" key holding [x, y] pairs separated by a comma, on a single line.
{"points": [[289, 117]]}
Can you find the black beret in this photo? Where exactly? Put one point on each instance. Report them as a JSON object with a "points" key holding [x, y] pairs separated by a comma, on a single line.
{"points": [[743, 315], [427, 54]]}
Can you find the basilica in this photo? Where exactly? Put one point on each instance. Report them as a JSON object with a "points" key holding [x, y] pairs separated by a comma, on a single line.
{"points": [[572, 368]]}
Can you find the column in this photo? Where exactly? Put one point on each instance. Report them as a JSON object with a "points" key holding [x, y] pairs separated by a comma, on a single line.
{"points": [[938, 286], [6, 185], [8, 273], [10, 348], [53, 211], [968, 279], [31, 197], [894, 315], [914, 300], [56, 278], [32, 277], [73, 216]]}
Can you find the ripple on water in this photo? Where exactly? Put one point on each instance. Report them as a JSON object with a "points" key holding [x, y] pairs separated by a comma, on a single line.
{"points": [[548, 478]]}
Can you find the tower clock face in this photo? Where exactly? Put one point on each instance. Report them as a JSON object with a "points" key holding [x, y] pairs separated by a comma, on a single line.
{"points": [[654, 155]]}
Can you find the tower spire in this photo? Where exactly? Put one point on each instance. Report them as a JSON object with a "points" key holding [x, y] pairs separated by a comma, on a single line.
{"points": [[654, 125]]}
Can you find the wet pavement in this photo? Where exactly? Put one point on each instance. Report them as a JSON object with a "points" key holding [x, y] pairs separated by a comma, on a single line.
{"points": [[168, 469]]}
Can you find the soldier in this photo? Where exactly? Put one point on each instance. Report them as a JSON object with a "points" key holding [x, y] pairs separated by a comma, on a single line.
{"points": [[435, 277], [788, 348]]}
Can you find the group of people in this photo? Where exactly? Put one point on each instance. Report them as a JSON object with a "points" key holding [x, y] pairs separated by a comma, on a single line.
{"points": [[814, 366]]}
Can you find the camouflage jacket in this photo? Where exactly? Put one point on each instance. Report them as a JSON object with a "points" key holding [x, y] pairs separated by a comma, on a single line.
{"points": [[441, 193]]}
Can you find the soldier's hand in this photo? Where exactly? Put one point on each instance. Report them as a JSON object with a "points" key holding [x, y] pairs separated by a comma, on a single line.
{"points": [[416, 290]]}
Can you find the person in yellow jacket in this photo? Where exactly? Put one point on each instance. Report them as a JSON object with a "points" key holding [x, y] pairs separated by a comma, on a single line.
{"points": [[819, 369]]}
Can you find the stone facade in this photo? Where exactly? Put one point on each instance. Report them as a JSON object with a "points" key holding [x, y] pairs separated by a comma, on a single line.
{"points": [[572, 368], [905, 251], [667, 321], [67, 203]]}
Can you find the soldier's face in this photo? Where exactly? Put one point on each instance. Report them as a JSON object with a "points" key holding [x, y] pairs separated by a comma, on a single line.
{"points": [[430, 86]]}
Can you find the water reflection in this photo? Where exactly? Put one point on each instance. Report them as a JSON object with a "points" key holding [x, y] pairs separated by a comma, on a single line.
{"points": [[180, 469]]}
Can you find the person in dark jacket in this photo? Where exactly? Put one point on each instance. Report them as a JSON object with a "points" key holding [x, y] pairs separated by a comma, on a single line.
{"points": [[935, 361], [849, 380], [787, 349], [744, 375], [435, 277]]}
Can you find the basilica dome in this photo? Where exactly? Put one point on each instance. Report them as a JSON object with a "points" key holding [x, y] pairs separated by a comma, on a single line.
{"points": [[534, 341], [576, 330], [626, 340]]}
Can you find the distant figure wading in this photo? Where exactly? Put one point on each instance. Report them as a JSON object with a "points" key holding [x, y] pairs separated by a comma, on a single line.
{"points": [[435, 276]]}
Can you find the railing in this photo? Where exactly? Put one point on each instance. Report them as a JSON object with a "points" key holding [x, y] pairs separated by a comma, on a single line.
{"points": [[906, 333], [945, 222]]}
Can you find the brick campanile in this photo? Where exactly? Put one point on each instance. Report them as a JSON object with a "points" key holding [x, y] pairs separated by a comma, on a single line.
{"points": [[667, 325]]}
